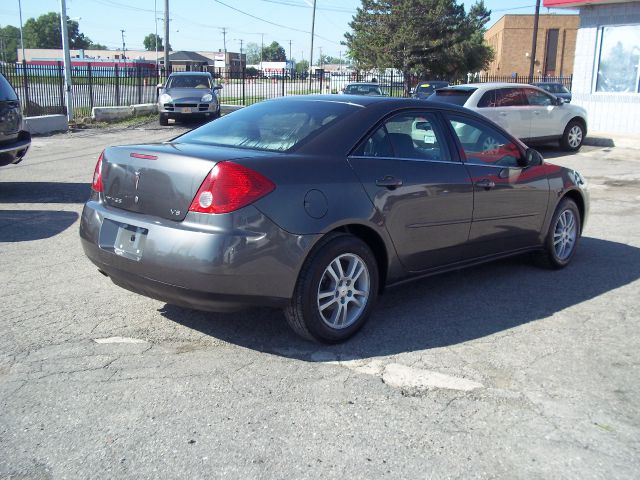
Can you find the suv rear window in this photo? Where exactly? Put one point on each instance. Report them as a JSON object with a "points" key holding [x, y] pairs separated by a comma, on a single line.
{"points": [[275, 126], [457, 96], [6, 91]]}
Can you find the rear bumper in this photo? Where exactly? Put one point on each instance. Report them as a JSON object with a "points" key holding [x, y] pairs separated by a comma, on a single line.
{"points": [[14, 152], [206, 262]]}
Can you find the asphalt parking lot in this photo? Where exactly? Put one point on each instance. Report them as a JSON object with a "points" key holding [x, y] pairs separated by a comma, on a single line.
{"points": [[502, 371]]}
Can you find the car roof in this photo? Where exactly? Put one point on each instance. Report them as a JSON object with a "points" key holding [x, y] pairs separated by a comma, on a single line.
{"points": [[365, 100], [372, 84]]}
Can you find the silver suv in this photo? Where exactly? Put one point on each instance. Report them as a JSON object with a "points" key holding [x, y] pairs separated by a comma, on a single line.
{"points": [[525, 111], [188, 95], [14, 141]]}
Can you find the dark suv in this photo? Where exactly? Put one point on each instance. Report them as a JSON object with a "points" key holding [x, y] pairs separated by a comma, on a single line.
{"points": [[14, 141]]}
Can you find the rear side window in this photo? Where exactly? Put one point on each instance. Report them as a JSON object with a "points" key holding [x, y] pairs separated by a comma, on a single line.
{"points": [[6, 91], [272, 126], [488, 100], [510, 97], [452, 95]]}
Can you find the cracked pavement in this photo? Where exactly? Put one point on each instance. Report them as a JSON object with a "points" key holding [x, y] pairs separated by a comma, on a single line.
{"points": [[501, 371]]}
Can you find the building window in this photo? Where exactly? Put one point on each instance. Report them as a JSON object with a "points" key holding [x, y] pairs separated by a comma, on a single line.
{"points": [[618, 69]]}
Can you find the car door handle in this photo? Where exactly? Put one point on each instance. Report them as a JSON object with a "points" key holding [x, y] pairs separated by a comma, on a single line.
{"points": [[486, 184], [389, 182]]}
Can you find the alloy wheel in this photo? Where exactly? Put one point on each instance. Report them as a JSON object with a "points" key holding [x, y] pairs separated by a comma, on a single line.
{"points": [[565, 234], [343, 291], [575, 136]]}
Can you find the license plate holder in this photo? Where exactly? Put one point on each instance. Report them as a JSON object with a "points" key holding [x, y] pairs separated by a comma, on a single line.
{"points": [[186, 110], [122, 239]]}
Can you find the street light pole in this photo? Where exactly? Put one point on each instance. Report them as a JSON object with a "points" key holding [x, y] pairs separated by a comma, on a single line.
{"points": [[534, 41], [313, 26], [166, 37], [21, 39], [67, 59]]}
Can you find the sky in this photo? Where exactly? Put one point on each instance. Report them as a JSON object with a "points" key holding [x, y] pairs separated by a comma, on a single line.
{"points": [[198, 24]]}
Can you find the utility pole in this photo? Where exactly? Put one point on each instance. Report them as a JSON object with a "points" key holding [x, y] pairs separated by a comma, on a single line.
{"points": [[313, 26], [224, 40], [534, 41], [155, 17], [320, 58], [290, 60], [124, 49], [67, 59], [166, 37], [261, 51], [242, 64], [21, 39]]}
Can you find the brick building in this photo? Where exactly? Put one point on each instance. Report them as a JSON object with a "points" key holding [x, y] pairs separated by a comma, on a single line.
{"points": [[510, 37]]}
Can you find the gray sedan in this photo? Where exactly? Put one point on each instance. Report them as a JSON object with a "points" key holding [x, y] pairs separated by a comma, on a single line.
{"points": [[316, 204], [188, 95]]}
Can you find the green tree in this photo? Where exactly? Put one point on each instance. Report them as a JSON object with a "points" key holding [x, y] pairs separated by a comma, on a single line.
{"points": [[427, 37], [44, 32], [150, 41], [252, 52], [274, 53], [302, 66], [10, 41]]}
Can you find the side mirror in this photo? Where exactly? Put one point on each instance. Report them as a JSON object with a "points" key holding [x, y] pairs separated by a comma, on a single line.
{"points": [[559, 101], [533, 158], [218, 87]]}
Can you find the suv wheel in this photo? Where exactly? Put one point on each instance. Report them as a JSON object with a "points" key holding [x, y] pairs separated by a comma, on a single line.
{"points": [[573, 136]]}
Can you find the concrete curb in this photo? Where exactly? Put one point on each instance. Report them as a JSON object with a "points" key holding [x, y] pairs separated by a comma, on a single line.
{"points": [[46, 124], [605, 139]]}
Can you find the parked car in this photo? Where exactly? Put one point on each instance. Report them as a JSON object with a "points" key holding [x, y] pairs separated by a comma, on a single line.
{"points": [[425, 88], [362, 88], [14, 140], [315, 204], [557, 89], [188, 95], [530, 113]]}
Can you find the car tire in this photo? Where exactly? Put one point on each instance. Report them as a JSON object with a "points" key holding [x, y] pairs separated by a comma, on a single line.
{"points": [[573, 136], [325, 306], [563, 235], [164, 121]]}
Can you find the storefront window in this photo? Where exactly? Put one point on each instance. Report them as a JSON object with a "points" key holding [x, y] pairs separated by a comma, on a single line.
{"points": [[618, 68]]}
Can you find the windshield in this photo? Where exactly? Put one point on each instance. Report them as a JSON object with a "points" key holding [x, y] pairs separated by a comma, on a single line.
{"points": [[452, 95], [363, 90], [189, 81], [272, 126]]}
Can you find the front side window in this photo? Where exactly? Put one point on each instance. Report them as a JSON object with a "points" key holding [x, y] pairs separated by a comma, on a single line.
{"points": [[484, 145], [538, 98], [619, 57]]}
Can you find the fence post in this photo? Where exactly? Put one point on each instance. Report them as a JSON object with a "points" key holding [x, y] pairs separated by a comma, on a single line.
{"points": [[117, 85], [283, 80], [244, 77], [90, 75], [139, 80], [60, 86], [25, 85], [321, 79]]}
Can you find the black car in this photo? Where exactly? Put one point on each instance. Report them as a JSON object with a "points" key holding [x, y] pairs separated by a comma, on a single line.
{"points": [[424, 89], [555, 88], [317, 203], [14, 141]]}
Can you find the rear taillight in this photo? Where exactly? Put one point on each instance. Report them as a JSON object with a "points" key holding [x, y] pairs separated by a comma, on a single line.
{"points": [[96, 186], [228, 187]]}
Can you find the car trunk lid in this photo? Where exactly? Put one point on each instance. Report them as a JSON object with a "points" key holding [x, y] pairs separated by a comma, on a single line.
{"points": [[160, 179]]}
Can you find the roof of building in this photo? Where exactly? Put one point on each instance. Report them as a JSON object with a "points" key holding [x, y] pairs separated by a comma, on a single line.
{"points": [[185, 56]]}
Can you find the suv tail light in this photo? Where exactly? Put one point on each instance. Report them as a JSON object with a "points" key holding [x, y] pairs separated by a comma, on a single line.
{"points": [[229, 187], [97, 186]]}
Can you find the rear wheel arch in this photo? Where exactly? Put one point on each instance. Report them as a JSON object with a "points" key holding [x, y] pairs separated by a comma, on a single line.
{"points": [[375, 242]]}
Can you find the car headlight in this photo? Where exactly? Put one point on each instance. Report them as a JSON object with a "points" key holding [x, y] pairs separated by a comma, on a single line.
{"points": [[206, 98], [164, 98]]}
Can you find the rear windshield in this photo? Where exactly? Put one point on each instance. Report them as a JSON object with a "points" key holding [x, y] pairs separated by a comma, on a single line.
{"points": [[430, 87], [189, 81], [363, 90], [6, 92], [272, 126], [452, 95]]}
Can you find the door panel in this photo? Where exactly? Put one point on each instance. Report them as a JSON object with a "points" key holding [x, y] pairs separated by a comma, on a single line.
{"points": [[510, 201], [547, 116], [425, 198]]}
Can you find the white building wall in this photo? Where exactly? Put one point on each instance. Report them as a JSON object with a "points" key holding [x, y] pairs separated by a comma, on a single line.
{"points": [[607, 112]]}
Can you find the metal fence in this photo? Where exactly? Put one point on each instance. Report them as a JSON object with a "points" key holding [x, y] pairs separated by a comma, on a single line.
{"points": [[41, 87]]}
